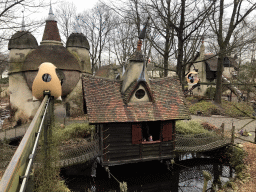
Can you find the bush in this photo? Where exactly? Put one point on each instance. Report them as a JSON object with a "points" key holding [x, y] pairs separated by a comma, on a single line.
{"points": [[190, 127], [75, 130], [210, 92], [46, 175], [207, 108], [4, 80], [236, 158]]}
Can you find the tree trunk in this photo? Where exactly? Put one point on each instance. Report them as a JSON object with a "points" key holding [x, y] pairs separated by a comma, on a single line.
{"points": [[218, 92], [166, 64], [179, 61]]}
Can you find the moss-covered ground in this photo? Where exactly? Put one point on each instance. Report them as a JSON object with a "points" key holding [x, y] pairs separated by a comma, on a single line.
{"points": [[227, 108]]}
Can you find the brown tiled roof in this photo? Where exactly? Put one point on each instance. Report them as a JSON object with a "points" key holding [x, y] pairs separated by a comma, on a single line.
{"points": [[51, 31], [105, 103], [233, 62], [55, 54], [211, 62]]}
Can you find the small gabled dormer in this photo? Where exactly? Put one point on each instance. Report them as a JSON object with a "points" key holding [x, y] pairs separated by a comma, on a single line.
{"points": [[135, 81]]}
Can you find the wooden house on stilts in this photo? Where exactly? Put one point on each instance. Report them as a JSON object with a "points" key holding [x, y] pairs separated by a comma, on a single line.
{"points": [[127, 111]]}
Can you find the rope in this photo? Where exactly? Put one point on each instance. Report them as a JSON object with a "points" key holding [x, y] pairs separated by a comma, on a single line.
{"points": [[106, 137], [123, 185]]}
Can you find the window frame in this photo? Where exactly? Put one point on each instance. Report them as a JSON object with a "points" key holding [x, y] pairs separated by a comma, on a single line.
{"points": [[162, 134]]}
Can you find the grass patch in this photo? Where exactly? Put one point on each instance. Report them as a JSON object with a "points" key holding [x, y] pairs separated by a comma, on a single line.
{"points": [[75, 130], [234, 109], [46, 175], [231, 109], [190, 127], [207, 108]]}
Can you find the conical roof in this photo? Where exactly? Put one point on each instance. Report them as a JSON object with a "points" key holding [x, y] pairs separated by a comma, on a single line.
{"points": [[51, 31]]}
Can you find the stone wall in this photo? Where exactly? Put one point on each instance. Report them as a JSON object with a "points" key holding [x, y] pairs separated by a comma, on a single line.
{"points": [[21, 97]]}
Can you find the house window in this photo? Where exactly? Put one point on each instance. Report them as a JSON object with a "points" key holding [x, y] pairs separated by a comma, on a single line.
{"points": [[151, 132], [140, 94], [151, 129]]}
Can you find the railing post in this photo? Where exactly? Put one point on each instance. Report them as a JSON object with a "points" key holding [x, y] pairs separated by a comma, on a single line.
{"points": [[47, 137]]}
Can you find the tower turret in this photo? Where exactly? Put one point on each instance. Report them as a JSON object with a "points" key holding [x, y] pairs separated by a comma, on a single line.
{"points": [[79, 46], [51, 32], [20, 44], [136, 85]]}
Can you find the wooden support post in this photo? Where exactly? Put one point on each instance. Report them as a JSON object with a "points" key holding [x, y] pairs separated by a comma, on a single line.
{"points": [[233, 135]]}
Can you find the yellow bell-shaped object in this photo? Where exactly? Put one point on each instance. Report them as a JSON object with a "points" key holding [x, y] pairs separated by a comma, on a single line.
{"points": [[46, 80]]}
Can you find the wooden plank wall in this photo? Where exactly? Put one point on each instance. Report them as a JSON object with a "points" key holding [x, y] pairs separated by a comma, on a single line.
{"points": [[117, 145], [119, 142]]}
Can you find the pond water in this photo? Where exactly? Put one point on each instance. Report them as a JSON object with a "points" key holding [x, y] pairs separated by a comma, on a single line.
{"points": [[152, 176]]}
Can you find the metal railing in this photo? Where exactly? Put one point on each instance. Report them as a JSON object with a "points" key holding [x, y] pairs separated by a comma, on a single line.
{"points": [[17, 173]]}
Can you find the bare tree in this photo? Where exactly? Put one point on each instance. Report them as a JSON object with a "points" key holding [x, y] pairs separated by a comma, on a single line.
{"points": [[122, 40], [97, 24], [162, 36], [11, 15], [66, 17], [230, 15], [128, 27]]}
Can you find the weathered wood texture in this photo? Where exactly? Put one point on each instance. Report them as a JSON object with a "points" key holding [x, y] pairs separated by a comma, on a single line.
{"points": [[117, 146]]}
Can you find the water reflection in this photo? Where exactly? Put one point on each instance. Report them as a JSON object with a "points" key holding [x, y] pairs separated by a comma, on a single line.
{"points": [[153, 176]]}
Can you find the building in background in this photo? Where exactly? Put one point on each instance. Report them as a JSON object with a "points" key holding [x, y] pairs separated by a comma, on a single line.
{"points": [[206, 67], [26, 55]]}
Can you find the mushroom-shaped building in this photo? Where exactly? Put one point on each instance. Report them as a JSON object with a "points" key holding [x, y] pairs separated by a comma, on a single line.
{"points": [[26, 56]]}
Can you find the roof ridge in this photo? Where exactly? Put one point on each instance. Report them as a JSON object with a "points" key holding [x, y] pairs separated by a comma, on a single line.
{"points": [[98, 77]]}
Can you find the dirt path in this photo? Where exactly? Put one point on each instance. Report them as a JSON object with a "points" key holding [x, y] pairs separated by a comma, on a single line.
{"points": [[238, 123]]}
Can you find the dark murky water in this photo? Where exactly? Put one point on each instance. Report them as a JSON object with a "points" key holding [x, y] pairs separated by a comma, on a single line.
{"points": [[151, 176]]}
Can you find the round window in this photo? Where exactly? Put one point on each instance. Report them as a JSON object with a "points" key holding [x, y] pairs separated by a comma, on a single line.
{"points": [[140, 94], [46, 77]]}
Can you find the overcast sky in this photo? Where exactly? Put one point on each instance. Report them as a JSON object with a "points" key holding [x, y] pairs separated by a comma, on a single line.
{"points": [[81, 6]]}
